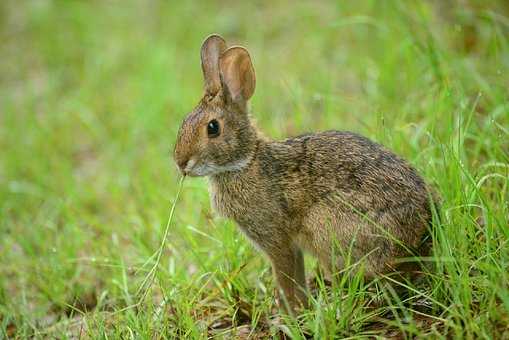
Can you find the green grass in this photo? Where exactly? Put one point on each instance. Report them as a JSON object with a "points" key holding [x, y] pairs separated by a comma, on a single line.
{"points": [[92, 95]]}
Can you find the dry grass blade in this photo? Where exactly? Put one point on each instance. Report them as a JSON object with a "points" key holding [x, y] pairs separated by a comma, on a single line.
{"points": [[149, 278]]}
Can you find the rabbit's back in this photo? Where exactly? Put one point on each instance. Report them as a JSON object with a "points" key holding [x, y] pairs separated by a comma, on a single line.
{"points": [[336, 165], [337, 162]]}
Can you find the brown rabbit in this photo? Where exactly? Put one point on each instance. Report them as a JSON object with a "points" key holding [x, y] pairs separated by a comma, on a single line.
{"points": [[330, 193]]}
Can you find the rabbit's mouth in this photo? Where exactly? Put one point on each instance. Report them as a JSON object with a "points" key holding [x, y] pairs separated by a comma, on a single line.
{"points": [[195, 169], [189, 169]]}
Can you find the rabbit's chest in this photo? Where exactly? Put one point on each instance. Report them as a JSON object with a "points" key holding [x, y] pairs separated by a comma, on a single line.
{"points": [[256, 217], [227, 204], [231, 201], [243, 201]]}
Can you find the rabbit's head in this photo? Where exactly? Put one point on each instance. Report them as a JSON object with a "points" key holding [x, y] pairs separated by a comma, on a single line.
{"points": [[217, 135]]}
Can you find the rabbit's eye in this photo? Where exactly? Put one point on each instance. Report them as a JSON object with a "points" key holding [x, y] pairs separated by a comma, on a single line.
{"points": [[213, 128]]}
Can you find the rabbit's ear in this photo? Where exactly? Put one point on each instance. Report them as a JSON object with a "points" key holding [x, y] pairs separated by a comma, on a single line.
{"points": [[237, 75], [211, 49]]}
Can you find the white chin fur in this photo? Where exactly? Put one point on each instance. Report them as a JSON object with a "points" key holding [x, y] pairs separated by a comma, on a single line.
{"points": [[213, 169]]}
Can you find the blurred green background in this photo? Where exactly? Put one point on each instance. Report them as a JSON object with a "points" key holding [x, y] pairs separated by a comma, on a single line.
{"points": [[92, 94]]}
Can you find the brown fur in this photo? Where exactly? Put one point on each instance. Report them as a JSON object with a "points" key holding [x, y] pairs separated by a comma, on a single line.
{"points": [[316, 192]]}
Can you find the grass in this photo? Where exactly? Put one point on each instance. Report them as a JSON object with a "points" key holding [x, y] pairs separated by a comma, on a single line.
{"points": [[92, 95]]}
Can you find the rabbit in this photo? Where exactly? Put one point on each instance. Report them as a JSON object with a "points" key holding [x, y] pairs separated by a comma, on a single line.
{"points": [[332, 194]]}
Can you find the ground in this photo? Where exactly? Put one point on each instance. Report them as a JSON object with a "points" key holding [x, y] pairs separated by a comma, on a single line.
{"points": [[92, 95]]}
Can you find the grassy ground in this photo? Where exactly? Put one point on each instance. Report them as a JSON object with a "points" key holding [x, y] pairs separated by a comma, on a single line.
{"points": [[91, 97]]}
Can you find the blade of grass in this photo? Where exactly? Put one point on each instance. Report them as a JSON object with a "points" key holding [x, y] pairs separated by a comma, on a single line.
{"points": [[149, 278]]}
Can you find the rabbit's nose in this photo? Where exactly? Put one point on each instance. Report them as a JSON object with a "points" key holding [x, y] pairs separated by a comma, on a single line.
{"points": [[182, 163]]}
